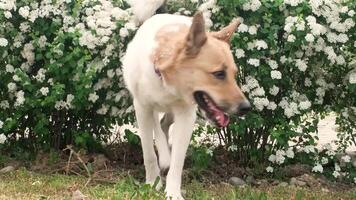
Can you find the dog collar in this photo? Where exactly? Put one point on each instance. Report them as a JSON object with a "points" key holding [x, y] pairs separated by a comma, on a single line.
{"points": [[157, 72]]}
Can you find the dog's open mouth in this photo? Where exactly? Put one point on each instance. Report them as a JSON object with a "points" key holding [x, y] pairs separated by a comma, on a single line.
{"points": [[213, 112]]}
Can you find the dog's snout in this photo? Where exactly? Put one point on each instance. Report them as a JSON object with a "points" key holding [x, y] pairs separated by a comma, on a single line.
{"points": [[244, 108]]}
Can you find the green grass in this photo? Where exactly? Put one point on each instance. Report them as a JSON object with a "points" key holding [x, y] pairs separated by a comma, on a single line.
{"points": [[22, 184]]}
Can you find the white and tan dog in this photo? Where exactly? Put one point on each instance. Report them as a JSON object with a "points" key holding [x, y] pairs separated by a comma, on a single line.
{"points": [[171, 66]]}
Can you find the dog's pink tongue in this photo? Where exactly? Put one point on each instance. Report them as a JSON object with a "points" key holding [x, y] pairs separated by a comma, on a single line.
{"points": [[221, 117], [224, 120]]}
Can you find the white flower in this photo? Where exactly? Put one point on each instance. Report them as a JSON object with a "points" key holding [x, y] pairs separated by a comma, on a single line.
{"points": [[259, 91], [11, 86], [254, 62], [293, 2], [42, 41], [280, 156], [4, 104], [7, 14], [304, 105], [9, 68], [301, 64], [337, 167], [291, 38], [324, 160], [272, 105], [309, 149], [44, 91], [283, 59], [300, 25], [275, 74], [20, 98], [251, 82], [318, 168], [340, 60], [252, 30], [250, 45], [1, 124], [16, 78], [3, 42], [260, 44], [232, 148], [103, 110], [269, 169], [273, 64], [24, 11], [355, 180], [239, 53], [290, 153], [352, 78], [272, 158], [330, 152], [60, 105], [260, 103], [209, 152], [110, 73], [41, 75], [242, 28], [336, 174], [351, 13], [309, 37], [327, 146], [124, 32], [274, 90], [307, 82], [93, 97], [346, 158], [252, 5], [69, 100]]}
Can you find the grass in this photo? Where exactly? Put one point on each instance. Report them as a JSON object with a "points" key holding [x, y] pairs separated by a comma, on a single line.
{"points": [[23, 184]]}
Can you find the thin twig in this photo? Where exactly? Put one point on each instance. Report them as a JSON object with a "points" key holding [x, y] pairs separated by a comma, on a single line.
{"points": [[68, 163], [69, 147]]}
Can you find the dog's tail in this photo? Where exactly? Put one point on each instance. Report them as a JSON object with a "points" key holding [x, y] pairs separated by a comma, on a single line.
{"points": [[144, 9]]}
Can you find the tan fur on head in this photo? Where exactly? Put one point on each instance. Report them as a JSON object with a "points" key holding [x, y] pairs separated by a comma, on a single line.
{"points": [[194, 56]]}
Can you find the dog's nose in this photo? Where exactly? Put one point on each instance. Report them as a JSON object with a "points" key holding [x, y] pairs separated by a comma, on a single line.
{"points": [[244, 108]]}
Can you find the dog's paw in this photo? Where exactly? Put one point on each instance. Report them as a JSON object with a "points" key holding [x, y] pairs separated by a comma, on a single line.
{"points": [[174, 196]]}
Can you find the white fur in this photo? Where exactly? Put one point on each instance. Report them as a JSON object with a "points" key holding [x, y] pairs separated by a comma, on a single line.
{"points": [[152, 96], [144, 9]]}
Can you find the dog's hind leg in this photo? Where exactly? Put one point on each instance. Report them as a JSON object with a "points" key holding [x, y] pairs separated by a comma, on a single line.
{"points": [[166, 122], [161, 139], [145, 120]]}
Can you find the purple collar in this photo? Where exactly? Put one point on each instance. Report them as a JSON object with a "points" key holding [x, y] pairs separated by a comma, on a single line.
{"points": [[158, 72]]}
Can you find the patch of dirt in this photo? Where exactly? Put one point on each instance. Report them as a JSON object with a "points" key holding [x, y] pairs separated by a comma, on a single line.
{"points": [[124, 159]]}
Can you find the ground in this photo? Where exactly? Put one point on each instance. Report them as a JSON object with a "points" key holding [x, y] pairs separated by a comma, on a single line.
{"points": [[23, 184], [120, 176]]}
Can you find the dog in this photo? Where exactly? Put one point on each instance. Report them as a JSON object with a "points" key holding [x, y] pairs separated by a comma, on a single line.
{"points": [[172, 66]]}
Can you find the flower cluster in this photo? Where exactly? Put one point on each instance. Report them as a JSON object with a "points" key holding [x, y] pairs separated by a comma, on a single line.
{"points": [[319, 158], [62, 57]]}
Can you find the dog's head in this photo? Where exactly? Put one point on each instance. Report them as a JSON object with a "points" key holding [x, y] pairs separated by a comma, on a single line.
{"points": [[203, 70]]}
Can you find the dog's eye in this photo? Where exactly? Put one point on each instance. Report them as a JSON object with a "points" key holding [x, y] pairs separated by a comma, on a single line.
{"points": [[220, 74]]}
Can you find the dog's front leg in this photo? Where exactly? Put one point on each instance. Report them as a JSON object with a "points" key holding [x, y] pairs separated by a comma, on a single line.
{"points": [[181, 133], [144, 115]]}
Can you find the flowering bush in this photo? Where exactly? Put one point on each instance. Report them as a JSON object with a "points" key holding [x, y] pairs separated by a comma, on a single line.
{"points": [[324, 161], [295, 60], [60, 74]]}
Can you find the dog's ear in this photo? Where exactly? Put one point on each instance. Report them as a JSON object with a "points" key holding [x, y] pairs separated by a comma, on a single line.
{"points": [[197, 36], [226, 33]]}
